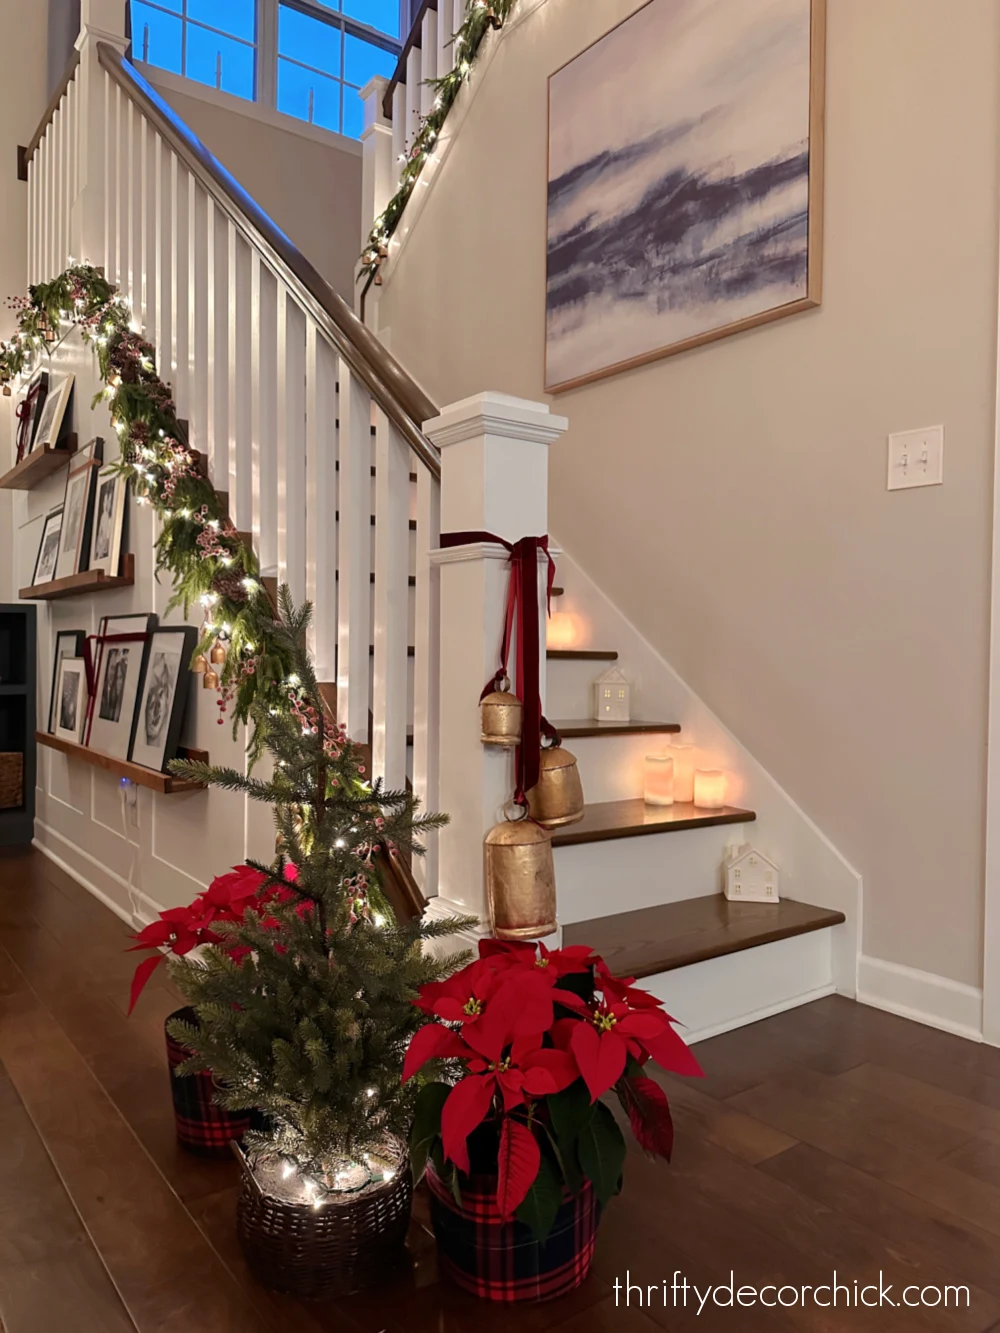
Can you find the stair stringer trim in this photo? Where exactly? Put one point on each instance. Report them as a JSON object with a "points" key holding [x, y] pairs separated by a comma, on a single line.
{"points": [[812, 868]]}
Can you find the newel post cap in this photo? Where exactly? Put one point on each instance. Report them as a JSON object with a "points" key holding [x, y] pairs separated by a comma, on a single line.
{"points": [[497, 414]]}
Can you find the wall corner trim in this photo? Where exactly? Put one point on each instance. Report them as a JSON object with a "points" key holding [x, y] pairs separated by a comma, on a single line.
{"points": [[924, 997]]}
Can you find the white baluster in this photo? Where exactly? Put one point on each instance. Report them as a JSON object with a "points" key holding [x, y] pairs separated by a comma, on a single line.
{"points": [[445, 38], [399, 144], [321, 502], [265, 419], [240, 343], [121, 188], [426, 670], [292, 442], [200, 205], [218, 376], [429, 55], [354, 563], [392, 602], [179, 286], [146, 278], [414, 65], [109, 256]]}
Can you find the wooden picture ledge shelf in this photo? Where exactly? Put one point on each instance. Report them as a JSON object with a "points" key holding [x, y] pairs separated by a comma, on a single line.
{"points": [[165, 783], [76, 585], [38, 465]]}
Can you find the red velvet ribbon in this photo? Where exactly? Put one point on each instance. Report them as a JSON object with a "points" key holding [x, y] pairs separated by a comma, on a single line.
{"points": [[23, 412], [92, 668], [522, 612]]}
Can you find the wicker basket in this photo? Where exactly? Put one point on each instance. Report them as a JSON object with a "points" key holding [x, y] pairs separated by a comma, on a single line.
{"points": [[11, 781], [349, 1244]]}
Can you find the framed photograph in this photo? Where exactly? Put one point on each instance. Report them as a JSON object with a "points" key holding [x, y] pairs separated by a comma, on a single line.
{"points": [[78, 508], [29, 411], [71, 699], [53, 415], [685, 182], [108, 522], [122, 645], [48, 549], [69, 643], [164, 696]]}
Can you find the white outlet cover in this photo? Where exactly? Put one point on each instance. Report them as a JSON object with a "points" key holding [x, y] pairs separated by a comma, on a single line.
{"points": [[916, 458]]}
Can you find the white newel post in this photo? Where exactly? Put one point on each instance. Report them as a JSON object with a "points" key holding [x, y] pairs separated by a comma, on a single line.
{"points": [[378, 178], [100, 21], [494, 478]]}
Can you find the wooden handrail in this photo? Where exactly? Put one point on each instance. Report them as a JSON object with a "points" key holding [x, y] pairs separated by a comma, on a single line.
{"points": [[401, 398]]}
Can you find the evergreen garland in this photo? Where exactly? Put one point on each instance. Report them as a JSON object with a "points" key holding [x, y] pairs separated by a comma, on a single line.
{"points": [[480, 17]]}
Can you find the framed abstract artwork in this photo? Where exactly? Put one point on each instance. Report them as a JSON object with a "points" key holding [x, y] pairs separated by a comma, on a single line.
{"points": [[78, 506], [123, 642], [164, 695], [48, 549], [685, 182], [71, 699], [108, 522], [52, 417], [69, 643]]}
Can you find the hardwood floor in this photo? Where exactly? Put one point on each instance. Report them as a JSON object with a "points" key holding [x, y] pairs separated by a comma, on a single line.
{"points": [[833, 1137]]}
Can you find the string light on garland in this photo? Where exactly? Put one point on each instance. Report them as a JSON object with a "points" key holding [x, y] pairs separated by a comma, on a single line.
{"points": [[481, 17]]}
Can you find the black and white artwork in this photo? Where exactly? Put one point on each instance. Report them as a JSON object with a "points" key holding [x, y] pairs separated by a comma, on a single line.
{"points": [[48, 549], [53, 413], [684, 199], [81, 476], [164, 696], [29, 412], [109, 516], [113, 683], [121, 657], [71, 699], [69, 643]]}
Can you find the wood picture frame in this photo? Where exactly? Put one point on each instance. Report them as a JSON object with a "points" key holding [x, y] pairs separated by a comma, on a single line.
{"points": [[647, 254], [163, 696], [78, 508], [69, 643], [52, 417], [118, 677], [110, 500], [48, 549], [35, 393], [72, 700]]}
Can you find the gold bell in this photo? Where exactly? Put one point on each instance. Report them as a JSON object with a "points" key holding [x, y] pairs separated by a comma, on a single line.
{"points": [[501, 717], [7, 391], [200, 664], [210, 680], [218, 654], [520, 881], [558, 797]]}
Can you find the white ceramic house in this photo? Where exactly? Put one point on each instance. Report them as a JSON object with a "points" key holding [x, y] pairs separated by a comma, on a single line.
{"points": [[751, 877], [612, 697]]}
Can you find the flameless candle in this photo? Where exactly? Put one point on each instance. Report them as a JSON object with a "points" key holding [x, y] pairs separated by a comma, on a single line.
{"points": [[683, 757], [659, 779], [709, 789]]}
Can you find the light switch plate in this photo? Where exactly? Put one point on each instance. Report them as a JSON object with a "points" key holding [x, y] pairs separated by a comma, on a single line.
{"points": [[916, 458]]}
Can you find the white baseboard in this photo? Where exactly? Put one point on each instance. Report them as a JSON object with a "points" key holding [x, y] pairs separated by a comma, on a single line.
{"points": [[146, 909], [937, 1002]]}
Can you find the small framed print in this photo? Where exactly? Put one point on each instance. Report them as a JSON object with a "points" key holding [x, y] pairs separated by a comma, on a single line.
{"points": [[69, 643], [109, 520], [53, 415], [48, 549], [123, 642], [71, 699], [29, 411], [78, 508], [164, 695]]}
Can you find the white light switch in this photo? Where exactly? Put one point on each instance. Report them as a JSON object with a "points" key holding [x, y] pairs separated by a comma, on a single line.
{"points": [[916, 458]]}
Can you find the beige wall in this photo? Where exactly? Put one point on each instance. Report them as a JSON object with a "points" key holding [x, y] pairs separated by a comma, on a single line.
{"points": [[732, 500], [310, 188]]}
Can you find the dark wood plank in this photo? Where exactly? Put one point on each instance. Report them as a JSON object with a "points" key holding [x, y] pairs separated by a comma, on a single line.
{"points": [[918, 1095], [81, 585], [38, 465], [608, 820], [659, 939], [574, 729], [581, 655], [164, 783]]}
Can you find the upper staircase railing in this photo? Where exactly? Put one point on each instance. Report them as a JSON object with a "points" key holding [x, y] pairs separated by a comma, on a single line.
{"points": [[307, 423]]}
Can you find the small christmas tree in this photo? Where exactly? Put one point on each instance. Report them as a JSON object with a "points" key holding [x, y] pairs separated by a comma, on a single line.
{"points": [[304, 1003]]}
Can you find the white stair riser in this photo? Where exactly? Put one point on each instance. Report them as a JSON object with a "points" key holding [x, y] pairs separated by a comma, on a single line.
{"points": [[741, 988], [613, 767], [596, 879], [569, 688]]}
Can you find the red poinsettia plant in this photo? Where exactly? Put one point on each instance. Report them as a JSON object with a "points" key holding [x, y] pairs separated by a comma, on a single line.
{"points": [[179, 930], [526, 1041]]}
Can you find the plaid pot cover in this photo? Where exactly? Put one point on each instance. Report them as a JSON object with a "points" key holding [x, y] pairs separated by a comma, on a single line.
{"points": [[202, 1127], [502, 1261]]}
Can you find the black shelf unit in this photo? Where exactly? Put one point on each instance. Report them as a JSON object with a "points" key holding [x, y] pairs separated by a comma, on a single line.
{"points": [[18, 667]]}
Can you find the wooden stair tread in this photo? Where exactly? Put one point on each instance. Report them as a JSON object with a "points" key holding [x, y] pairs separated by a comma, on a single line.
{"points": [[608, 820], [573, 728], [581, 655], [672, 935]]}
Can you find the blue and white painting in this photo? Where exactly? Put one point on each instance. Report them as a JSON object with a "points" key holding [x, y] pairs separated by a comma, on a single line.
{"points": [[679, 182]]}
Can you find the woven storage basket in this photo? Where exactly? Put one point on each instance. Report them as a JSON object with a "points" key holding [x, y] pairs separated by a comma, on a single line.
{"points": [[502, 1261], [349, 1244], [203, 1127], [11, 781]]}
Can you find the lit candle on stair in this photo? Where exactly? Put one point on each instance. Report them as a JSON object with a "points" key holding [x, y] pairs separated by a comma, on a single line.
{"points": [[709, 789], [683, 757], [659, 779]]}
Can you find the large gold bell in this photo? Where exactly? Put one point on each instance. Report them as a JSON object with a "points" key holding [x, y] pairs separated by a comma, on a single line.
{"points": [[501, 716], [558, 797], [520, 881]]}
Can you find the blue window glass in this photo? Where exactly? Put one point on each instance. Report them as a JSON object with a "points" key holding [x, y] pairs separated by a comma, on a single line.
{"points": [[220, 62], [310, 41], [238, 18], [308, 95], [380, 14], [363, 59], [354, 113], [156, 37]]}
